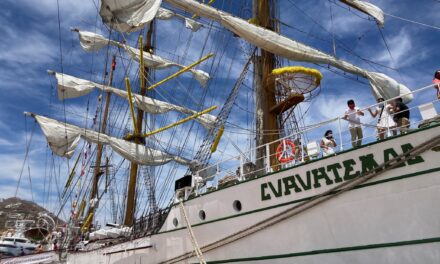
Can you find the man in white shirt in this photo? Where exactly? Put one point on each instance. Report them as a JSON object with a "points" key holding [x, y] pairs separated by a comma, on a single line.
{"points": [[352, 115]]}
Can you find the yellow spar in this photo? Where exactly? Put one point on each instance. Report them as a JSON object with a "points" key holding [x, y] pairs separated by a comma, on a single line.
{"points": [[87, 223], [187, 68], [130, 102], [141, 61], [174, 124]]}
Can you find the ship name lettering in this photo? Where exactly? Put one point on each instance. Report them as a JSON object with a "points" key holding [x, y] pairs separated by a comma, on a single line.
{"points": [[331, 174]]}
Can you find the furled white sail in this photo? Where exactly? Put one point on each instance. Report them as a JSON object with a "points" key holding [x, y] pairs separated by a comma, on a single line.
{"points": [[72, 87], [64, 138], [128, 15], [382, 85], [157, 62], [93, 42], [368, 9], [166, 14]]}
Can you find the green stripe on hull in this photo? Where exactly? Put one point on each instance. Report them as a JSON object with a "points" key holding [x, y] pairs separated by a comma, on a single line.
{"points": [[311, 197], [333, 250]]}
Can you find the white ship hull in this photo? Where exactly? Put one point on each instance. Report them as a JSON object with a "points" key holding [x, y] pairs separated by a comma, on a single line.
{"points": [[40, 258], [393, 218]]}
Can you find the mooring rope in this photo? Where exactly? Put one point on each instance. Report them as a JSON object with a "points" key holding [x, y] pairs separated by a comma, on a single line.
{"points": [[196, 247]]}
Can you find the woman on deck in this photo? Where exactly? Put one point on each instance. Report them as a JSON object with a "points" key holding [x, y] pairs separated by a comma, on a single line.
{"points": [[327, 144], [379, 113]]}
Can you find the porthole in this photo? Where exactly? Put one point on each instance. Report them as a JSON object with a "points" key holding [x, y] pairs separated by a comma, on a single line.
{"points": [[237, 205], [175, 222], [202, 215]]}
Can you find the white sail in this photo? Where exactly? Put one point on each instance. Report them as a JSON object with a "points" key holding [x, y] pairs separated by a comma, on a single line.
{"points": [[368, 9], [382, 85], [73, 87], [166, 14], [64, 138], [93, 42], [154, 61], [128, 15], [90, 41]]}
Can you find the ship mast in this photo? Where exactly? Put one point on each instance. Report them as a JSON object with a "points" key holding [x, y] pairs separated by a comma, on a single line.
{"points": [[97, 170], [131, 191], [267, 129]]}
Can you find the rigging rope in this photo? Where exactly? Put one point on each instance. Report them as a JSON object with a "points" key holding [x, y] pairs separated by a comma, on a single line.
{"points": [[333, 30], [413, 21], [391, 56], [25, 158], [342, 45], [204, 153]]}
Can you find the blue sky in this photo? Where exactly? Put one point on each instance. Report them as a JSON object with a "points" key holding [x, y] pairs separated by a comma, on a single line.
{"points": [[31, 44]]}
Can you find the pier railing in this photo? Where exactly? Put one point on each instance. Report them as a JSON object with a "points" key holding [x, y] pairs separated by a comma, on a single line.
{"points": [[304, 145]]}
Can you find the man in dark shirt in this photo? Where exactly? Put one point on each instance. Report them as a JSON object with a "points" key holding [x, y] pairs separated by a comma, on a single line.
{"points": [[401, 116]]}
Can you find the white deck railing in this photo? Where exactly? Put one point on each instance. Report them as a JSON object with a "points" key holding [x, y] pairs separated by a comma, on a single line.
{"points": [[241, 167]]}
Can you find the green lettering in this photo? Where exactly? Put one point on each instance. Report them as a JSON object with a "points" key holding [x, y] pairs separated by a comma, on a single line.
{"points": [[414, 160], [334, 168], [320, 174], [368, 163], [389, 154], [289, 183], [264, 195], [348, 165], [277, 192], [304, 186]]}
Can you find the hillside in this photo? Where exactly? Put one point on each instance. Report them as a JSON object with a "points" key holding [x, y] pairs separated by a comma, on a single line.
{"points": [[12, 209]]}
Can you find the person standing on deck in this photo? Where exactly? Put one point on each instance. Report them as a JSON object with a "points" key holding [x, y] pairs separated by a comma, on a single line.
{"points": [[378, 112], [328, 144], [352, 115], [401, 116], [385, 121], [436, 81]]}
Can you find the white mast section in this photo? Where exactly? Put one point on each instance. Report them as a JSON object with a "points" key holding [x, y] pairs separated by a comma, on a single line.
{"points": [[93, 42], [73, 87], [382, 85], [64, 138], [368, 9]]}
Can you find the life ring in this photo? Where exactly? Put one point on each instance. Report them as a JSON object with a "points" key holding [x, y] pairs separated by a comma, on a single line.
{"points": [[286, 151]]}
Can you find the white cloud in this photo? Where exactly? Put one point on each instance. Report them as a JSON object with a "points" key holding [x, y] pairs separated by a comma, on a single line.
{"points": [[401, 48], [15, 50], [70, 10], [5, 143], [344, 24]]}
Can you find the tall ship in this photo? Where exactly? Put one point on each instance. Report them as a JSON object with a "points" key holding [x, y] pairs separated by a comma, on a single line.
{"points": [[207, 152]]}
